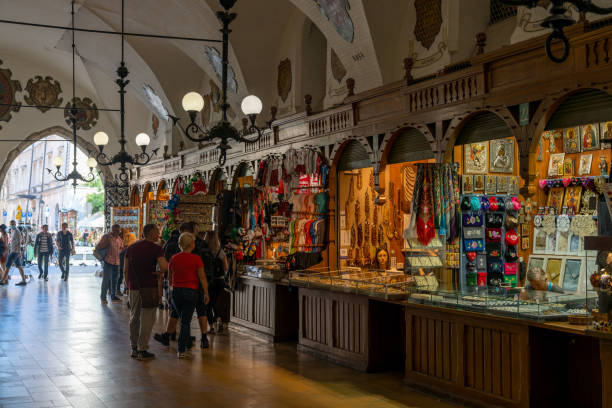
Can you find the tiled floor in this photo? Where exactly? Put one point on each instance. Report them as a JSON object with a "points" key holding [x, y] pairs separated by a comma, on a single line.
{"points": [[60, 347]]}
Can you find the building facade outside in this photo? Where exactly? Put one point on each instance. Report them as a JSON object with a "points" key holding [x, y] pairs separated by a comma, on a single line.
{"points": [[29, 186]]}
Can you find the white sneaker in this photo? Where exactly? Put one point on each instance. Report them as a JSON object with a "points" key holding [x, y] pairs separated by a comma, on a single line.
{"points": [[186, 355]]}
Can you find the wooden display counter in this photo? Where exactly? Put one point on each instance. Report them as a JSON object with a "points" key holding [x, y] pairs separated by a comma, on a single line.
{"points": [[497, 361], [267, 309], [351, 330]]}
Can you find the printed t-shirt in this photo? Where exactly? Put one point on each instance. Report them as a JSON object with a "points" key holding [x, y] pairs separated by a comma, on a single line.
{"points": [[142, 259], [184, 267]]}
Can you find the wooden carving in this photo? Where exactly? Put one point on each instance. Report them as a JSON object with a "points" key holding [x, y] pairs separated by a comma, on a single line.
{"points": [[284, 79], [87, 113], [44, 93], [8, 88], [338, 70], [428, 21]]}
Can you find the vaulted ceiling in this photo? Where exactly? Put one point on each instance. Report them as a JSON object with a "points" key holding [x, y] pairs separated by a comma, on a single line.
{"points": [[325, 42]]}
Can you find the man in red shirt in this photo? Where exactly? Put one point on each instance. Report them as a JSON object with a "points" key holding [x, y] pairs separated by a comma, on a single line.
{"points": [[141, 260]]}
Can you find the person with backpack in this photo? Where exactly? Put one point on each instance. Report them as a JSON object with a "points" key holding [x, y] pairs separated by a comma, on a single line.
{"points": [[43, 248], [65, 248], [202, 250], [216, 279], [112, 245], [3, 255]]}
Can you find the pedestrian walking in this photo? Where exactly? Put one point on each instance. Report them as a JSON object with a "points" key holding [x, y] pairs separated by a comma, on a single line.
{"points": [[43, 248], [65, 248]]}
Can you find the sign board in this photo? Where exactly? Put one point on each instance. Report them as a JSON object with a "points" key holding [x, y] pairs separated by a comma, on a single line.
{"points": [[524, 114]]}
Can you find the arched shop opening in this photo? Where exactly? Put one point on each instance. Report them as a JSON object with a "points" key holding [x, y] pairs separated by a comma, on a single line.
{"points": [[218, 182], [135, 197], [162, 191], [571, 165], [485, 254], [243, 176]]}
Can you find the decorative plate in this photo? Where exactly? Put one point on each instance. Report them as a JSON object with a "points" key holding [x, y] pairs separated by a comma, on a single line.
{"points": [[563, 223], [537, 221]]}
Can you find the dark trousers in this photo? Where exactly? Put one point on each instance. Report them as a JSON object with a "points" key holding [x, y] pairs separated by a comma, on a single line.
{"points": [[43, 258], [184, 300], [217, 306], [63, 259], [109, 280], [121, 266]]}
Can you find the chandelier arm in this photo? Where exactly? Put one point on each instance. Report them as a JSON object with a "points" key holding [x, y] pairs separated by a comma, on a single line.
{"points": [[199, 134], [103, 159], [250, 130], [145, 156], [587, 6]]}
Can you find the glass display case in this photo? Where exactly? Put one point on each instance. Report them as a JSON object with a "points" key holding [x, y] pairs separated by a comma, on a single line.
{"points": [[266, 269], [533, 305], [598, 260], [391, 285]]}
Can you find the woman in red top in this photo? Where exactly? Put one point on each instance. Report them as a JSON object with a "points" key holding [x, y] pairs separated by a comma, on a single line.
{"points": [[186, 273]]}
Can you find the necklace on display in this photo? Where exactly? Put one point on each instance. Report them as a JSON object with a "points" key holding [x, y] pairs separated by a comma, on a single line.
{"points": [[351, 193], [359, 180], [366, 205], [357, 212]]}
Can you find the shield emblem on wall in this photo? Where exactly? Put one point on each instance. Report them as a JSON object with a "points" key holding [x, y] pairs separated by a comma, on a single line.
{"points": [[43, 92], [284, 79], [155, 124], [428, 21], [8, 87]]}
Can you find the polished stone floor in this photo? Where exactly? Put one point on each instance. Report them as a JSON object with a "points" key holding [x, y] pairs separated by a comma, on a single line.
{"points": [[60, 347]]}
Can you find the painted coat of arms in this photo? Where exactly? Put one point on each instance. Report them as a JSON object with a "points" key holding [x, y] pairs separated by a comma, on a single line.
{"points": [[43, 93], [336, 11], [155, 124], [8, 88], [428, 21], [87, 113], [284, 80]]}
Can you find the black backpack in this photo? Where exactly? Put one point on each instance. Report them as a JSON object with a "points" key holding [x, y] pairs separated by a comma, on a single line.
{"points": [[171, 248]]}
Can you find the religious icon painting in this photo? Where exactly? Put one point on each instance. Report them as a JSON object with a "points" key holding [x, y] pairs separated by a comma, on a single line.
{"points": [[490, 184], [502, 184], [584, 168], [525, 244], [513, 187], [568, 166], [551, 136], [606, 133], [571, 140], [468, 184], [572, 199], [589, 135], [479, 182], [475, 157], [501, 158], [555, 164], [555, 199]]}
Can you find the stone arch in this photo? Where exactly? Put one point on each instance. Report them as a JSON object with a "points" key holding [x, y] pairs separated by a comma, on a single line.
{"points": [[217, 175], [161, 185], [241, 170], [104, 171], [341, 144], [391, 137], [145, 193], [457, 124]]}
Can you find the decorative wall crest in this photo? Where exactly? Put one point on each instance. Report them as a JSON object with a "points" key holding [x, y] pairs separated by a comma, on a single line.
{"points": [[87, 115], [428, 21], [206, 110], [215, 96], [154, 124], [336, 11], [8, 88], [338, 70], [284, 79], [43, 92], [216, 62]]}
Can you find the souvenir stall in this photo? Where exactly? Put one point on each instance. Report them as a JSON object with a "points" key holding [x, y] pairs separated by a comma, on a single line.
{"points": [[281, 224], [128, 218]]}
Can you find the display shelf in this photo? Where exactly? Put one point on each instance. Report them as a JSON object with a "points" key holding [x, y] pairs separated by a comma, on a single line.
{"points": [[128, 218]]}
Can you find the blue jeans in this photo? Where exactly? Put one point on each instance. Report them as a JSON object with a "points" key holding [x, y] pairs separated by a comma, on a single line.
{"points": [[184, 300], [63, 259], [109, 280], [43, 258]]}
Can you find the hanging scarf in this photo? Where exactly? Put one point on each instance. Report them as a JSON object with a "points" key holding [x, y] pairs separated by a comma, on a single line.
{"points": [[410, 232], [425, 218]]}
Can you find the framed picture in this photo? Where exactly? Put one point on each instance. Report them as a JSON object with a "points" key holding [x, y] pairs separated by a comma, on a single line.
{"points": [[490, 184], [555, 199], [584, 168], [554, 266], [536, 262], [589, 135], [551, 243], [576, 244], [568, 166], [479, 182], [571, 274], [539, 241], [468, 184], [606, 133], [590, 268], [525, 243], [555, 164], [551, 136], [525, 230], [571, 140], [572, 199], [502, 184], [513, 188], [562, 243], [589, 203], [475, 157], [501, 158]]}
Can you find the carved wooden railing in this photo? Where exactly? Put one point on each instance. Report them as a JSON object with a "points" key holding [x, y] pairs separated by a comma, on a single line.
{"points": [[459, 86], [331, 121]]}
